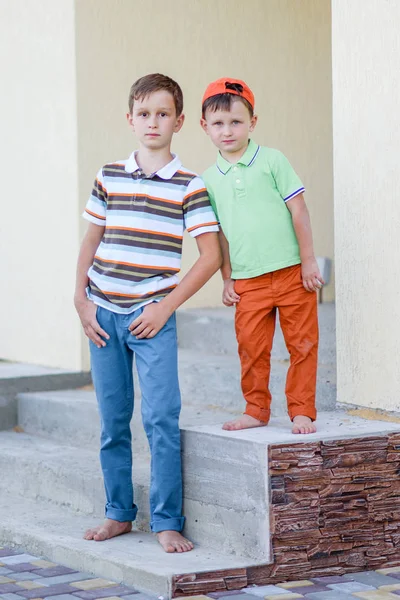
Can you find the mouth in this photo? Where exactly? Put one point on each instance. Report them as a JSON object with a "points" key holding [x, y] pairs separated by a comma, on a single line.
{"points": [[152, 135], [228, 141]]}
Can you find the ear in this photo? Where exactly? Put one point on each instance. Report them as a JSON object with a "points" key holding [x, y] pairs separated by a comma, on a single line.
{"points": [[179, 123], [203, 125], [130, 121], [253, 122]]}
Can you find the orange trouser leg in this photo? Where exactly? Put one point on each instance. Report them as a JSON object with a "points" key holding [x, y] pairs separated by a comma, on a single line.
{"points": [[298, 316], [255, 326]]}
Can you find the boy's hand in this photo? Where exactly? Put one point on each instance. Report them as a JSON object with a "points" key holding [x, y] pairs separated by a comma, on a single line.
{"points": [[149, 323], [229, 296], [312, 279], [86, 310]]}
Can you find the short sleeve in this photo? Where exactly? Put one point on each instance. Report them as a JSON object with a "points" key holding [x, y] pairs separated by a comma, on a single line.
{"points": [[287, 181], [95, 210], [197, 210]]}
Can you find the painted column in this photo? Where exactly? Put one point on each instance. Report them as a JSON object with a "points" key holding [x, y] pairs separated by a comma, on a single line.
{"points": [[366, 134]]}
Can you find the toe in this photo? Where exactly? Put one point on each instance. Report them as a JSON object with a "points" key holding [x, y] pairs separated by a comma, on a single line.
{"points": [[101, 535], [89, 534]]}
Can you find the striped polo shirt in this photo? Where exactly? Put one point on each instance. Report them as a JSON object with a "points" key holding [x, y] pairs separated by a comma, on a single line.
{"points": [[139, 257]]}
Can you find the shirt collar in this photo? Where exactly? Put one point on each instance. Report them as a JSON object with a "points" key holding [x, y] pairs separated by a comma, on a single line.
{"points": [[247, 159], [166, 172]]}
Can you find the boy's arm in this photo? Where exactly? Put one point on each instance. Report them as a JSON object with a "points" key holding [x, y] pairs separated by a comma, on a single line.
{"points": [[229, 296], [312, 279], [155, 315], [85, 308]]}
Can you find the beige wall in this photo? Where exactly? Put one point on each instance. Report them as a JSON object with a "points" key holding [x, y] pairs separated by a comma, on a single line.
{"points": [[39, 208], [70, 66], [366, 89], [281, 47]]}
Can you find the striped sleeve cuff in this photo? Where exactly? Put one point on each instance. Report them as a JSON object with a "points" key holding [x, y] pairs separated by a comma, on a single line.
{"points": [[203, 228], [93, 218], [293, 194]]}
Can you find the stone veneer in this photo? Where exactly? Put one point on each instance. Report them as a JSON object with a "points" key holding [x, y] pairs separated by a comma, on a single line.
{"points": [[335, 509]]}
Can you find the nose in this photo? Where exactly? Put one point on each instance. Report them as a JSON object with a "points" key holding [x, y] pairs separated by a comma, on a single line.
{"points": [[227, 131], [152, 122]]}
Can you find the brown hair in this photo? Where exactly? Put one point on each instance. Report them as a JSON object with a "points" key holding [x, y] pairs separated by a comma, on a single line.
{"points": [[224, 102], [153, 83]]}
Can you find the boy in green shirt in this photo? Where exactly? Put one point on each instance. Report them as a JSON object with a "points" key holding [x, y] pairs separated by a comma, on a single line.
{"points": [[268, 256]]}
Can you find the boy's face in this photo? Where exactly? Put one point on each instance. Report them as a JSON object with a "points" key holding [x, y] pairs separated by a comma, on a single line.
{"points": [[154, 120], [229, 129]]}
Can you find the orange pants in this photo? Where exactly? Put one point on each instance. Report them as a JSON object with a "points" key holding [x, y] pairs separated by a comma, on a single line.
{"points": [[255, 318]]}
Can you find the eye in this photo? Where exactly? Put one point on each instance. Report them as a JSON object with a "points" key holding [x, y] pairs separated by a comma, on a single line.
{"points": [[143, 114], [236, 122], [218, 123], [163, 114]]}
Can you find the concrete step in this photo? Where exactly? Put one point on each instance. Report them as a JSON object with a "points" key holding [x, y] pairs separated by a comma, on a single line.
{"points": [[71, 418], [211, 331], [135, 559], [68, 477], [210, 389], [40, 469], [20, 377], [215, 381]]}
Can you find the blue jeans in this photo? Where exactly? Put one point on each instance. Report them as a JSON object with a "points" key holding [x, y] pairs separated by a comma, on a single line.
{"points": [[157, 366]]}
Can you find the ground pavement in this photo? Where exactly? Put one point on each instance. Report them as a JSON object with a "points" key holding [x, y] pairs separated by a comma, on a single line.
{"points": [[27, 577]]}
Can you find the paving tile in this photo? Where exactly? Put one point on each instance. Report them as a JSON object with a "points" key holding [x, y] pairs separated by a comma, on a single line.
{"points": [[10, 597], [120, 590], [61, 597], [62, 578], [238, 597], [349, 587], [332, 595], [5, 571], [52, 590], [91, 584], [25, 576], [25, 566], [139, 596], [331, 579], [17, 559], [54, 571], [286, 596], [30, 585], [225, 593], [8, 552], [295, 584], [200, 597], [388, 571], [43, 564], [375, 595], [5, 588], [264, 590], [390, 588], [113, 597], [309, 589], [4, 579], [373, 578]]}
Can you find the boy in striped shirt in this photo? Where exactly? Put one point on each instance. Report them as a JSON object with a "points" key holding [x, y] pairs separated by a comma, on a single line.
{"points": [[126, 295]]}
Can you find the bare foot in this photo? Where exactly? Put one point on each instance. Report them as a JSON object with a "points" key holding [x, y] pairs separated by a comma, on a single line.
{"points": [[173, 541], [243, 422], [303, 425], [108, 530]]}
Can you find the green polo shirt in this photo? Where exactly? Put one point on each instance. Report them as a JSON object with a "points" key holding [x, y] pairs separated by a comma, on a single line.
{"points": [[249, 199]]}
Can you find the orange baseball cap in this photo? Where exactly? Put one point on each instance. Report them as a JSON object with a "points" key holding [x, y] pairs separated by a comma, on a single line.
{"points": [[226, 85]]}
